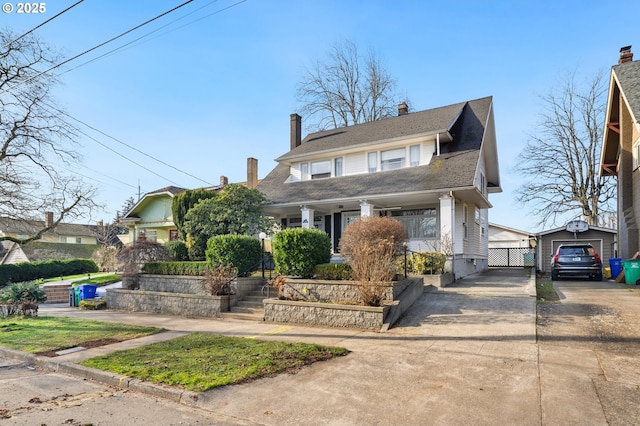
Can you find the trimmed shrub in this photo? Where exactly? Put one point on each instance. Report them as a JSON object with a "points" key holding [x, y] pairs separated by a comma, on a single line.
{"points": [[178, 251], [370, 245], [297, 251], [422, 263], [240, 251], [21, 297], [175, 268], [332, 271], [30, 271]]}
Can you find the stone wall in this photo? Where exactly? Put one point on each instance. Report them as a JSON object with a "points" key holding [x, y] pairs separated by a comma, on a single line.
{"points": [[325, 314], [335, 291], [178, 295], [184, 304], [438, 280]]}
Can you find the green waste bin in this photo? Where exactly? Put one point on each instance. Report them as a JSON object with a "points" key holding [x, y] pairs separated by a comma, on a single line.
{"points": [[631, 269], [76, 290]]}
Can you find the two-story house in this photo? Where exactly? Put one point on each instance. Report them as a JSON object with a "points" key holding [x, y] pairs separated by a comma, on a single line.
{"points": [[432, 170], [620, 155]]}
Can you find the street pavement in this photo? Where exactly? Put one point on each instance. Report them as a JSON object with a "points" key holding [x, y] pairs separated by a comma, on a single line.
{"points": [[463, 354]]}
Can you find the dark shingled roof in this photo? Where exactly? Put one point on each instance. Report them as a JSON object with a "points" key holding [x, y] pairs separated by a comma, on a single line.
{"points": [[175, 190], [454, 168], [628, 75], [30, 227]]}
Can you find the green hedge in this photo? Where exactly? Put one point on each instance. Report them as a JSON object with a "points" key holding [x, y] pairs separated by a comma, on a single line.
{"points": [[333, 271], [175, 268], [178, 251], [297, 251], [240, 251], [30, 271]]}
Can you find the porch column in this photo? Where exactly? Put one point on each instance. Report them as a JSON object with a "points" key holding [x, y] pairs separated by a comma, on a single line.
{"points": [[447, 222], [307, 217], [366, 209]]}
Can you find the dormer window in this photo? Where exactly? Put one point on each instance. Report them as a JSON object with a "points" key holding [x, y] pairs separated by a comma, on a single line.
{"points": [[392, 159], [321, 169]]}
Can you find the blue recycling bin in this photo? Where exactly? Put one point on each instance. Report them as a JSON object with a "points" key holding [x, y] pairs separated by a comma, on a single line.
{"points": [[87, 291], [616, 267]]}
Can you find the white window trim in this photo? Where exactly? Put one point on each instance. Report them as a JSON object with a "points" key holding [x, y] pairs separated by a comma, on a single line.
{"points": [[636, 154]]}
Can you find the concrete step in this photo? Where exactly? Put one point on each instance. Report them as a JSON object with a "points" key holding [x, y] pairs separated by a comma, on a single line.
{"points": [[248, 304], [247, 310], [243, 316]]}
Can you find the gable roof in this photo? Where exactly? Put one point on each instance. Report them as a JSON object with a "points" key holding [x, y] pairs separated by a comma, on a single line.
{"points": [[624, 87], [454, 168], [171, 191]]}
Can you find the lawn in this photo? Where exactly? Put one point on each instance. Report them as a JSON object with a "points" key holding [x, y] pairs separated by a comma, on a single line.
{"points": [[46, 334], [199, 362], [100, 280], [545, 291]]}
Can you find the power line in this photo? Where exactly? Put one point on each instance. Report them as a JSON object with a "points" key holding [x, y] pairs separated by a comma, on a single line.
{"points": [[122, 143], [45, 22], [99, 45]]}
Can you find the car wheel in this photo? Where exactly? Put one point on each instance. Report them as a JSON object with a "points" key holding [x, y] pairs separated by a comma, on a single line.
{"points": [[598, 277], [554, 276]]}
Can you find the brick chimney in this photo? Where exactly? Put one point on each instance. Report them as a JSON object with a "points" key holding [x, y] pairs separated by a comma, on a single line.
{"points": [[296, 130], [403, 108], [252, 172], [224, 181], [48, 219], [625, 55]]}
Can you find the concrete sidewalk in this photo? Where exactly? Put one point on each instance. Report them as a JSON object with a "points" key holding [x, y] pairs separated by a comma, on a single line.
{"points": [[463, 354]]}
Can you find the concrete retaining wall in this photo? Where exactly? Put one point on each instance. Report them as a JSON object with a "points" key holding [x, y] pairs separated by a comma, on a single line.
{"points": [[335, 291], [324, 314], [178, 295], [200, 305]]}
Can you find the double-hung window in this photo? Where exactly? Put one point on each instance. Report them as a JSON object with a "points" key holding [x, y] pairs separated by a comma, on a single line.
{"points": [[414, 155], [373, 162], [337, 166], [321, 169], [392, 159]]}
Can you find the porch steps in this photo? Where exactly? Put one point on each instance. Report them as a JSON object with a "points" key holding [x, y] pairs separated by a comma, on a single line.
{"points": [[249, 308]]}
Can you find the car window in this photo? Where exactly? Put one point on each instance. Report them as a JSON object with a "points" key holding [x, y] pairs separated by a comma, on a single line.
{"points": [[576, 251]]}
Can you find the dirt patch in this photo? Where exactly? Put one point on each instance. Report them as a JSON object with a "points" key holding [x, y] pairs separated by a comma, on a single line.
{"points": [[88, 344]]}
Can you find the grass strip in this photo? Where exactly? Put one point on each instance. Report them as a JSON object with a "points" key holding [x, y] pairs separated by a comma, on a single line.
{"points": [[41, 334], [100, 280], [199, 361], [545, 292]]}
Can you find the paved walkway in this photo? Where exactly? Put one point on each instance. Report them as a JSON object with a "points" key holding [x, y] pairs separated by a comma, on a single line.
{"points": [[464, 354]]}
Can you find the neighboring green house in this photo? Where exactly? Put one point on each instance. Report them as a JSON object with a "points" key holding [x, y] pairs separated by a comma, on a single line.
{"points": [[152, 218], [65, 241]]}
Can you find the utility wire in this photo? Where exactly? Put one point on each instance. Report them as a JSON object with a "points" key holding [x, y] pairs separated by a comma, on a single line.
{"points": [[100, 45], [45, 22], [123, 143]]}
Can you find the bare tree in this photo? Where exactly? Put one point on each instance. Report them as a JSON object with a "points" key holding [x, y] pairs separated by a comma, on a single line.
{"points": [[561, 158], [36, 145], [346, 89]]}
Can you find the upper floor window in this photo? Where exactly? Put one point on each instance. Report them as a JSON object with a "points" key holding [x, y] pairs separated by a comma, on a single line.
{"points": [[414, 155], [304, 171], [321, 169], [392, 159], [373, 162], [636, 154], [337, 163]]}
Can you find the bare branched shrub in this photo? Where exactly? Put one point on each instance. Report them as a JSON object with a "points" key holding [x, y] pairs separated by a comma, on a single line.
{"points": [[215, 279], [133, 257], [370, 245]]}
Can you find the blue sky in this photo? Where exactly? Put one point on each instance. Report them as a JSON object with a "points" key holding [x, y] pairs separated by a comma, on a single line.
{"points": [[203, 96]]}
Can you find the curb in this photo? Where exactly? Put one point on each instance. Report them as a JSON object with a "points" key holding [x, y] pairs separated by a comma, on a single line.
{"points": [[180, 396]]}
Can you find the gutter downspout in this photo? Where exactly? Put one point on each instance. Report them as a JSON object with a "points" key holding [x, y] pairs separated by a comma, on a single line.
{"points": [[438, 143]]}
